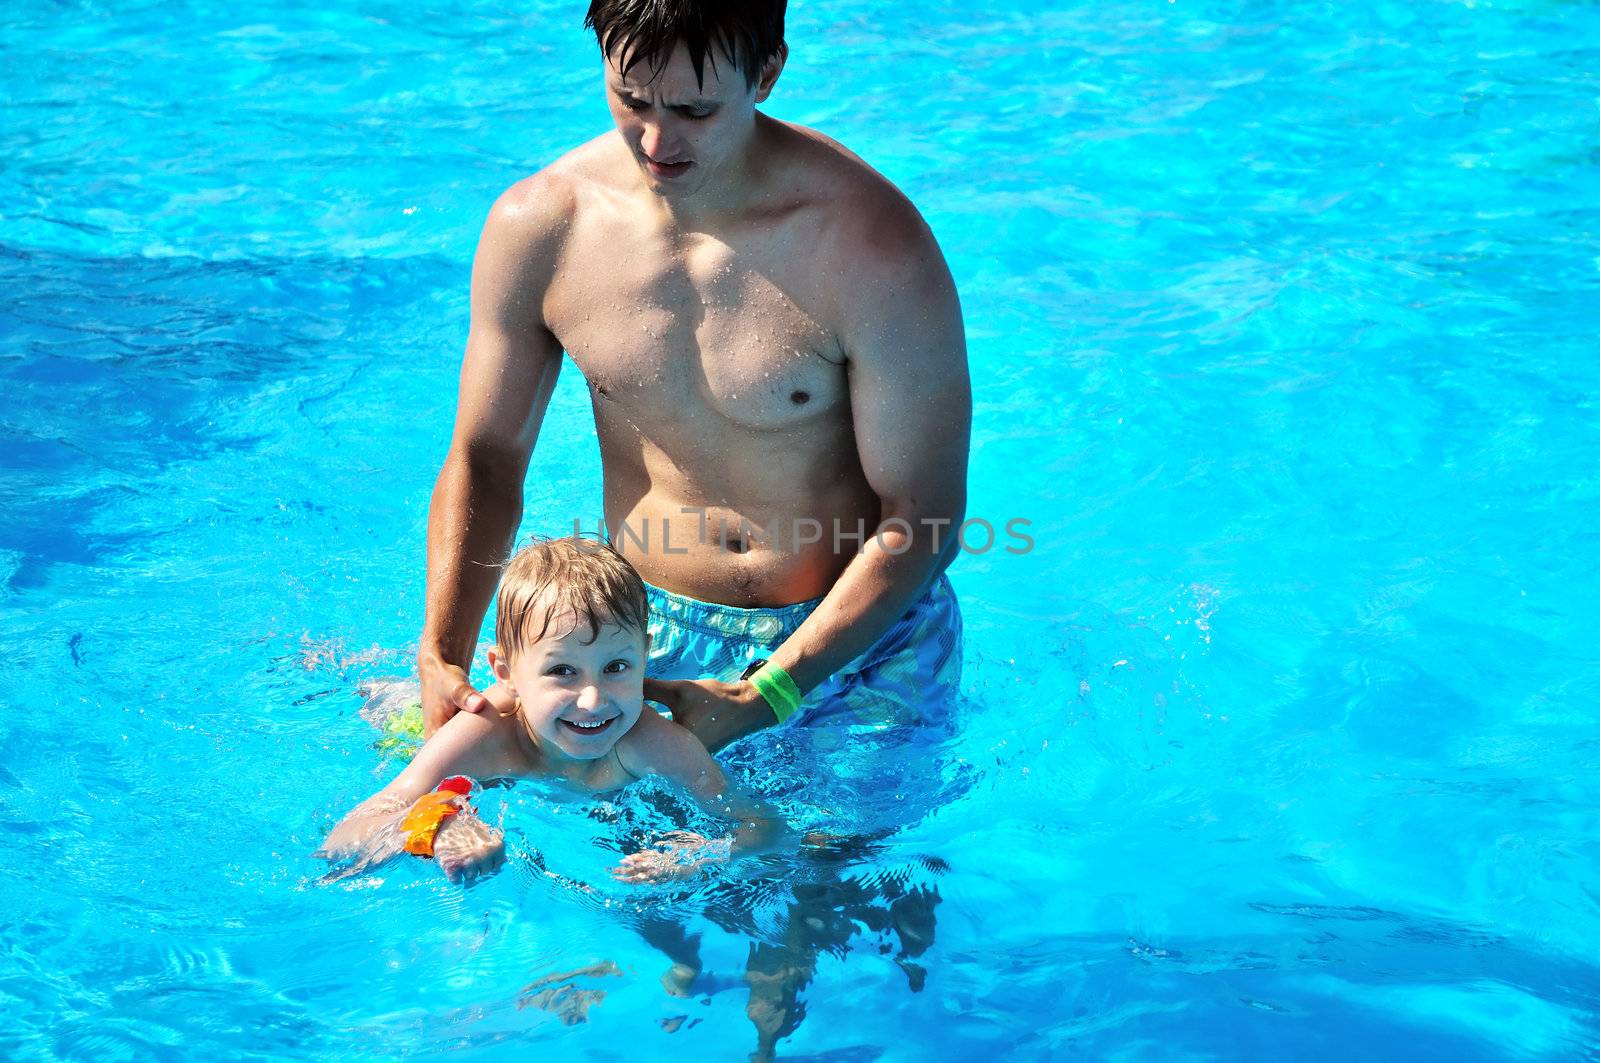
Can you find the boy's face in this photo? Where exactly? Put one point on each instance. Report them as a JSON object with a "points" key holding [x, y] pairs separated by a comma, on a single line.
{"points": [[578, 697]]}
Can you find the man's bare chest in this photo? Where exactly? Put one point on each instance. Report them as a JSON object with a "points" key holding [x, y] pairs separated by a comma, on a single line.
{"points": [[709, 333]]}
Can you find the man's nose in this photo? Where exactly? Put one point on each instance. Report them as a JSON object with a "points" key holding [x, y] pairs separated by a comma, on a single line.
{"points": [[654, 140]]}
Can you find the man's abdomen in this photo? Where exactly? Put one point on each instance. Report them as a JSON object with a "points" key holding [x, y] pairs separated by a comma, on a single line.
{"points": [[757, 552]]}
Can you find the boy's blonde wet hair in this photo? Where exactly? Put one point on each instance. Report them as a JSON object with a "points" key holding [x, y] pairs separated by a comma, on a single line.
{"points": [[552, 578]]}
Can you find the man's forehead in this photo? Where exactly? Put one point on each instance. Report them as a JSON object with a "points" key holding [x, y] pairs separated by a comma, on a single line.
{"points": [[675, 78]]}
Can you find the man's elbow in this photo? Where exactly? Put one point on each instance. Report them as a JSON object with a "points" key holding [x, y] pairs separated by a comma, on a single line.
{"points": [[480, 479], [491, 465], [929, 526]]}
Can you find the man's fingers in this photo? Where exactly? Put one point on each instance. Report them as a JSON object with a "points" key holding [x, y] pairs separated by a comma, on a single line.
{"points": [[673, 693], [434, 714], [473, 701], [666, 691], [466, 696]]}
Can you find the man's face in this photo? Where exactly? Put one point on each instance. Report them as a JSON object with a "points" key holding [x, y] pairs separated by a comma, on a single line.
{"points": [[681, 131], [578, 697]]}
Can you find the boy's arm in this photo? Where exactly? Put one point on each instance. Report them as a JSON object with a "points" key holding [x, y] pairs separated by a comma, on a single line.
{"points": [[671, 751], [467, 745]]}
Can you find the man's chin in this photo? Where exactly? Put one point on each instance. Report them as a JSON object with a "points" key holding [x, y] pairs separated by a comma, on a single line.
{"points": [[671, 185]]}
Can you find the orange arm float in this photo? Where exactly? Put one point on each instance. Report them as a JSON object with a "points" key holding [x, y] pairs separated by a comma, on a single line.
{"points": [[422, 822]]}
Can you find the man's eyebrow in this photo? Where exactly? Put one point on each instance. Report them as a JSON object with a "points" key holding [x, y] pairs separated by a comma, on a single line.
{"points": [[629, 94]]}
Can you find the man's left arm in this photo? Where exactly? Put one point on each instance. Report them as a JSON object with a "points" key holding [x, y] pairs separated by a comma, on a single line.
{"points": [[911, 407]]}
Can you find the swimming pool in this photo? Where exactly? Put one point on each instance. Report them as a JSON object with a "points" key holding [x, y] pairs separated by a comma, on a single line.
{"points": [[1281, 742]]}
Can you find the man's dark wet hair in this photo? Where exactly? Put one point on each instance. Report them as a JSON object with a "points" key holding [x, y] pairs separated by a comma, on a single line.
{"points": [[750, 32]]}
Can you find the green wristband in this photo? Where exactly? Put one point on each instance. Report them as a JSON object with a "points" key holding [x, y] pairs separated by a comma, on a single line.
{"points": [[778, 689]]}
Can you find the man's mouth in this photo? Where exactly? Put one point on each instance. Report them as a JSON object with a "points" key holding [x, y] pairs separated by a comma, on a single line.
{"points": [[589, 727], [667, 169]]}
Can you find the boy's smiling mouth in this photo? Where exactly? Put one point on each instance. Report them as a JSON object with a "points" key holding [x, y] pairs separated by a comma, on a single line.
{"points": [[591, 728]]}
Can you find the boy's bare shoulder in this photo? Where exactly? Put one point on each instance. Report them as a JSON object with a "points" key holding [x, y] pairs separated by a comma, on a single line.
{"points": [[484, 745], [657, 746]]}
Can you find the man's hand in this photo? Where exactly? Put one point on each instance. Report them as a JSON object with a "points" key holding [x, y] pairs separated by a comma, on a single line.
{"points": [[467, 849], [717, 713], [445, 692]]}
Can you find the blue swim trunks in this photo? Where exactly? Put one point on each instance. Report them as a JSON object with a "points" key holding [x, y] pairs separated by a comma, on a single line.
{"points": [[910, 675]]}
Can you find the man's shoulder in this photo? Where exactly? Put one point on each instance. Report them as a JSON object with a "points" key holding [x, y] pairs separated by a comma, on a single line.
{"points": [[541, 207], [870, 223], [876, 253]]}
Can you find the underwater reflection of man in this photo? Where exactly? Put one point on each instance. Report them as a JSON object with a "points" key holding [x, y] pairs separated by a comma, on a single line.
{"points": [[829, 901]]}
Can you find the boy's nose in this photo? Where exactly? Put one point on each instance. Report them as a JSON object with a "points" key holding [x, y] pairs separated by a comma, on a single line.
{"points": [[589, 697]]}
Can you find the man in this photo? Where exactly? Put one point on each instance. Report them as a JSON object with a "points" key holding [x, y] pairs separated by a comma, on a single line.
{"points": [[774, 349]]}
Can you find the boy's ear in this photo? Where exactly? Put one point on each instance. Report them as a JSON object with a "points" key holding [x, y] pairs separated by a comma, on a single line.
{"points": [[497, 665]]}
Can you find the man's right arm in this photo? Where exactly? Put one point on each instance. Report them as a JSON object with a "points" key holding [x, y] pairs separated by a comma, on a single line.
{"points": [[509, 371]]}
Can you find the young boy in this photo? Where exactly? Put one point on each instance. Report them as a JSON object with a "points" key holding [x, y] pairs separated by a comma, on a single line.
{"points": [[571, 643]]}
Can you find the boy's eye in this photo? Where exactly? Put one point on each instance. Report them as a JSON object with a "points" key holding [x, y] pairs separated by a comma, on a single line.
{"points": [[618, 666], [559, 669], [632, 104], [696, 116]]}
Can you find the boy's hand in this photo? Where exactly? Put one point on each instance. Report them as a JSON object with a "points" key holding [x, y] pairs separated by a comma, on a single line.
{"points": [[678, 854], [467, 849]]}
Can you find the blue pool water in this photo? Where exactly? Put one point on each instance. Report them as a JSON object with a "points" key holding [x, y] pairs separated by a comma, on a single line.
{"points": [[1281, 743]]}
